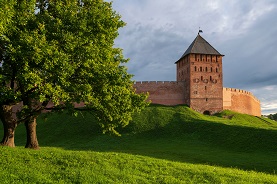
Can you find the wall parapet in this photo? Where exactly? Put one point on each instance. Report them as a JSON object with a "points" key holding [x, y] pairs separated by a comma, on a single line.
{"points": [[241, 101], [242, 92], [157, 82], [162, 92]]}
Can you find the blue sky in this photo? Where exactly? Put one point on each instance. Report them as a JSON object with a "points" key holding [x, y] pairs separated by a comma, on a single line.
{"points": [[159, 31]]}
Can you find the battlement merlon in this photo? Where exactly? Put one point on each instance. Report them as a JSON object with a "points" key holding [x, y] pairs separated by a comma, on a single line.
{"points": [[157, 82], [242, 92]]}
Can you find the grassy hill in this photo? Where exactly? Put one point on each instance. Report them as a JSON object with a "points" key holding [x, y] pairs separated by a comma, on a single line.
{"points": [[161, 145]]}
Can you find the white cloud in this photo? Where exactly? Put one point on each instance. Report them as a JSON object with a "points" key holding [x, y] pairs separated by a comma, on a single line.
{"points": [[267, 96], [159, 31]]}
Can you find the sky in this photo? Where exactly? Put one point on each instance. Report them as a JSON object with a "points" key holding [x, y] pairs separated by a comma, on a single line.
{"points": [[158, 32]]}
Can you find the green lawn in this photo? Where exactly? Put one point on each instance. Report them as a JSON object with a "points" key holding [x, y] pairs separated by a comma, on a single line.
{"points": [[161, 145]]}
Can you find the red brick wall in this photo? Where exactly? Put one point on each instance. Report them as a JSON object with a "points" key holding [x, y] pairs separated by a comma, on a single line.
{"points": [[202, 74], [166, 93], [207, 105], [241, 101], [173, 93], [18, 107]]}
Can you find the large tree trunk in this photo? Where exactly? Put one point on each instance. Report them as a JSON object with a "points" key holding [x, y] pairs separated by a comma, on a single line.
{"points": [[32, 141], [9, 125]]}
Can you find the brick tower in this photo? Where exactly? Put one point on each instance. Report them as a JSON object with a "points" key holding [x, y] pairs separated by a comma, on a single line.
{"points": [[200, 68]]}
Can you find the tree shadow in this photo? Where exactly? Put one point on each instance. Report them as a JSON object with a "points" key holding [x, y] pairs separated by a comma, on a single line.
{"points": [[194, 141]]}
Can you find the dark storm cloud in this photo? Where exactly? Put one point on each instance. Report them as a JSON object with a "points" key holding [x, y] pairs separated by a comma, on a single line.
{"points": [[252, 57], [159, 31]]}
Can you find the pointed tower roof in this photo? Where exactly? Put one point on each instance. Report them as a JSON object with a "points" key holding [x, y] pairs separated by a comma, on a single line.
{"points": [[200, 46]]}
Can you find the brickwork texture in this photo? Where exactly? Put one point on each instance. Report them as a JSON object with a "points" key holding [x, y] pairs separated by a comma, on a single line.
{"points": [[200, 84]]}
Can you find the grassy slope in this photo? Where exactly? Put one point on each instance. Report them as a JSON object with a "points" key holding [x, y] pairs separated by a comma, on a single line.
{"points": [[162, 144]]}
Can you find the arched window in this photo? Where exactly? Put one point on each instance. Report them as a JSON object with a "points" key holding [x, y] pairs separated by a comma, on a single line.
{"points": [[216, 69], [207, 113], [211, 69], [206, 69], [200, 68], [210, 77], [195, 68]]}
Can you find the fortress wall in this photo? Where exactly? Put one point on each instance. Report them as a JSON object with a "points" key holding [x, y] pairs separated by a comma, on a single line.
{"points": [[210, 105], [162, 92], [241, 101], [18, 107]]}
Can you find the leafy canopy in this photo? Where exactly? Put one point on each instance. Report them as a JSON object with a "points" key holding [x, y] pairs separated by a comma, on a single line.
{"points": [[55, 53]]}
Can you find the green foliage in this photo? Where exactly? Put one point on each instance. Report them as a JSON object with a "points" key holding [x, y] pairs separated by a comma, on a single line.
{"points": [[272, 116], [160, 145], [62, 52], [6, 13]]}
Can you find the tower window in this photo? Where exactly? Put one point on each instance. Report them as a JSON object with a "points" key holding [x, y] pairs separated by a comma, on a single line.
{"points": [[211, 69], [216, 69], [195, 68], [206, 69], [205, 87], [210, 77], [201, 69], [201, 78]]}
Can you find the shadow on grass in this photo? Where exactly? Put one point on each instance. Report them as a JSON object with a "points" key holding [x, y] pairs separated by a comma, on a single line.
{"points": [[193, 141]]}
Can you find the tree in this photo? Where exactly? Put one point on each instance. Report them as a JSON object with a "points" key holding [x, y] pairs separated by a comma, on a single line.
{"points": [[59, 53], [272, 116], [5, 13]]}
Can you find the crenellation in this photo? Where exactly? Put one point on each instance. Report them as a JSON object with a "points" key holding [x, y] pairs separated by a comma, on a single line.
{"points": [[240, 91], [199, 85], [156, 82]]}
